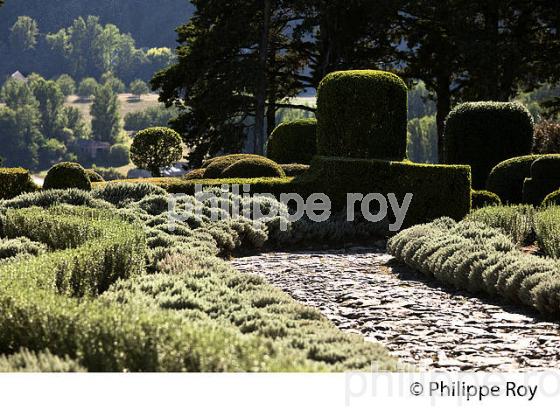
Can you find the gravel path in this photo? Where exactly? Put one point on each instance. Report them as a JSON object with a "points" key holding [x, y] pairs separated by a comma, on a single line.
{"points": [[364, 291]]}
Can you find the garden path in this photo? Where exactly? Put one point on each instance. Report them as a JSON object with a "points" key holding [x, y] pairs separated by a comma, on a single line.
{"points": [[364, 291]]}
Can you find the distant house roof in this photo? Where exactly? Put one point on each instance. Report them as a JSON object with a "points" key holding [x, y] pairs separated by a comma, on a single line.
{"points": [[18, 76]]}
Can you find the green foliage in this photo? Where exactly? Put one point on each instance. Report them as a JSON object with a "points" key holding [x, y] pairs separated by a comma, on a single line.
{"points": [[294, 170], [120, 194], [254, 168], [66, 84], [438, 190], [362, 114], [154, 148], [423, 140], [507, 178], [546, 167], [195, 174], [483, 134], [14, 181], [94, 176], [24, 33], [54, 197], [108, 79], [119, 155], [535, 190], [67, 175], [517, 222], [472, 256], [158, 116], [216, 166], [547, 138], [552, 199], [139, 88], [293, 142], [105, 113], [482, 199], [547, 229], [26, 361], [11, 248], [109, 174], [87, 88]]}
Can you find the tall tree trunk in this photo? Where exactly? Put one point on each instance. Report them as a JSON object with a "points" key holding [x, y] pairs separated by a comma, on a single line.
{"points": [[260, 95], [443, 109]]}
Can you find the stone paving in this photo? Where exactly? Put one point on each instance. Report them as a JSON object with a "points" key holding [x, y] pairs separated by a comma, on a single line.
{"points": [[364, 291]]}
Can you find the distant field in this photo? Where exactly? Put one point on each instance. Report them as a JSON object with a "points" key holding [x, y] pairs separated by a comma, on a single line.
{"points": [[128, 104]]}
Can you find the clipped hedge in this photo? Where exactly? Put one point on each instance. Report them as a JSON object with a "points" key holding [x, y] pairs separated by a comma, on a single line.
{"points": [[293, 142], [439, 190], [254, 168], [67, 175], [536, 190], [482, 199], [195, 174], [216, 166], [483, 134], [472, 256], [294, 170], [506, 179], [362, 114], [546, 167], [552, 199], [94, 176], [15, 181]]}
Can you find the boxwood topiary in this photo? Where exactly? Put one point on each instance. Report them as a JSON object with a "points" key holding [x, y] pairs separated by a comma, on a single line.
{"points": [[94, 176], [215, 166], [254, 168], [552, 199], [15, 181], [546, 167], [482, 134], [536, 190], [362, 114], [293, 142], [506, 179], [482, 199], [294, 170], [195, 174], [67, 175]]}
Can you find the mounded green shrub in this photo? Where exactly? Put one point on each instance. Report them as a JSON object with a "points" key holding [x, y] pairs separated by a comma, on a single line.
{"points": [[94, 176], [552, 199], [254, 168], [483, 134], [26, 361], [195, 174], [362, 114], [294, 170], [293, 142], [482, 199], [15, 181], [119, 155], [546, 167], [67, 175], [122, 193], [547, 229], [516, 221], [216, 166], [507, 178], [472, 256], [536, 190], [439, 190]]}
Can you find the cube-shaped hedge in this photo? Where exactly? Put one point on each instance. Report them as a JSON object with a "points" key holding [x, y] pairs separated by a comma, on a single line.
{"points": [[362, 114], [483, 134], [438, 190], [293, 142]]}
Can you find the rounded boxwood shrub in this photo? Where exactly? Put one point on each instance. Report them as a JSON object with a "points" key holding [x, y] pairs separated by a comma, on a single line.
{"points": [[482, 199], [294, 170], [67, 175], [216, 166], [293, 142], [254, 168], [546, 167], [362, 114], [552, 199], [94, 176], [482, 134], [15, 181], [507, 178], [195, 174]]}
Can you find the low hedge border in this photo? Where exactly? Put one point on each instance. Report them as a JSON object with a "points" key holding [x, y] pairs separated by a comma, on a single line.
{"points": [[15, 181], [472, 256]]}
